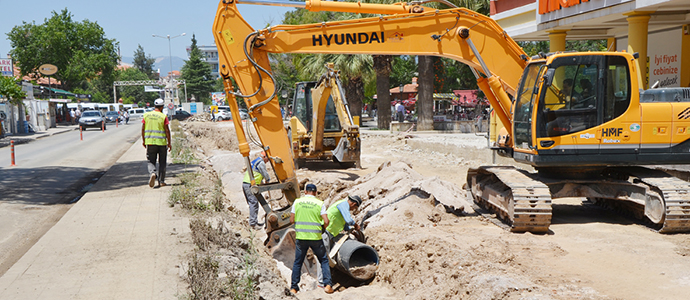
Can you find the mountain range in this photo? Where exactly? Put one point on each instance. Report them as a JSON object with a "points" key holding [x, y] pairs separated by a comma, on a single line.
{"points": [[162, 63]]}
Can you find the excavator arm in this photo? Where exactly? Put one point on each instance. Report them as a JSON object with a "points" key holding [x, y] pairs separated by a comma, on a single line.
{"points": [[400, 29]]}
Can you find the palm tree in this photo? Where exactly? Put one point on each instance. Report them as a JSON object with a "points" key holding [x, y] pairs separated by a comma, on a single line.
{"points": [[425, 97], [354, 70], [382, 67]]}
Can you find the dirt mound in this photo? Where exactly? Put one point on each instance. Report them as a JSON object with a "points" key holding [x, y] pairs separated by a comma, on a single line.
{"points": [[211, 137], [397, 191]]}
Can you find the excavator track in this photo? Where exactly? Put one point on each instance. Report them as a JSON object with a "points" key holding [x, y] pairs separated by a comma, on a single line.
{"points": [[515, 197], [672, 210], [676, 196]]}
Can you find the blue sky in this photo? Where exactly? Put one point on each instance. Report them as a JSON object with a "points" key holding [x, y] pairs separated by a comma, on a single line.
{"points": [[133, 22]]}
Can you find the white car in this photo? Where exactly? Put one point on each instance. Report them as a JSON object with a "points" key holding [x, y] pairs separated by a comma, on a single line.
{"points": [[223, 114]]}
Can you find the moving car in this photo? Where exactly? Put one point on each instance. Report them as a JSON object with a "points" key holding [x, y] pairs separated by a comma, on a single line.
{"points": [[136, 113], [111, 116], [92, 118], [181, 115]]}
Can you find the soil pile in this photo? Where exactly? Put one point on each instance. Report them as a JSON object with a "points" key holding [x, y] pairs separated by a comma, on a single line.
{"points": [[209, 137], [396, 192]]}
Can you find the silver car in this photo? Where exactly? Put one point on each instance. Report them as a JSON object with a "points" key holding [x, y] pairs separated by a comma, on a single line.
{"points": [[92, 118]]}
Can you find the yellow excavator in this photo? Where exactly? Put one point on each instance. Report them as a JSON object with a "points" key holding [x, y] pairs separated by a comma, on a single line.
{"points": [[321, 126], [580, 119]]}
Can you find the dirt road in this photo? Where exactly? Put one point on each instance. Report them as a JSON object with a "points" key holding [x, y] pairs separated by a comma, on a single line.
{"points": [[407, 184]]}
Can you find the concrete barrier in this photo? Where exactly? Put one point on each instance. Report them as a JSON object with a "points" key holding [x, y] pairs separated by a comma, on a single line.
{"points": [[401, 126]]}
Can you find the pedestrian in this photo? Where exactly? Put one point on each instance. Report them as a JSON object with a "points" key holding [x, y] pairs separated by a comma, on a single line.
{"points": [[339, 219], [400, 110], [213, 115], [126, 117], [260, 176], [77, 113], [155, 134], [72, 116], [308, 215]]}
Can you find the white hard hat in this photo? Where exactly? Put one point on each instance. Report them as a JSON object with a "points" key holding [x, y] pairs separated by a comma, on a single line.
{"points": [[158, 102]]}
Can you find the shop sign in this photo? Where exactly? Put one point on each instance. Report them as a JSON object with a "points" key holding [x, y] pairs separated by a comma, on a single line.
{"points": [[546, 6], [6, 66], [664, 58]]}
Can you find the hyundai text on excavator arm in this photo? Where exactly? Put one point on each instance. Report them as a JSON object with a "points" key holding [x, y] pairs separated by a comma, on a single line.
{"points": [[580, 119], [321, 126]]}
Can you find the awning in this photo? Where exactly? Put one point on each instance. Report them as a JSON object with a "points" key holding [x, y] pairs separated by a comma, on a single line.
{"points": [[54, 91], [446, 96], [60, 100]]}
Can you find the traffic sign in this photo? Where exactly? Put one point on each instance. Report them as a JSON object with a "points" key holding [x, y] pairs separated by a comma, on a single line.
{"points": [[171, 106]]}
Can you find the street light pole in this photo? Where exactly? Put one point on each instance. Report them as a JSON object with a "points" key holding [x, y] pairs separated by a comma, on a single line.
{"points": [[170, 55]]}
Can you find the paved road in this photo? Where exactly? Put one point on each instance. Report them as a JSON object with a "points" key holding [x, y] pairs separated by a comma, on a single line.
{"points": [[50, 174]]}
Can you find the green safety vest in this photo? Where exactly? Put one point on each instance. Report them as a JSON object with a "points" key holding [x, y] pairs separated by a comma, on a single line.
{"points": [[257, 175], [336, 222], [154, 130], [308, 218]]}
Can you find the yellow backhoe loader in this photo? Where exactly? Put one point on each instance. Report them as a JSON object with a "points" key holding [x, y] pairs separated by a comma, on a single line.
{"points": [[580, 119], [320, 126]]}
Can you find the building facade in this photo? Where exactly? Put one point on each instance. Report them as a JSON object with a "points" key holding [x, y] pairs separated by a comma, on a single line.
{"points": [[210, 54], [656, 29]]}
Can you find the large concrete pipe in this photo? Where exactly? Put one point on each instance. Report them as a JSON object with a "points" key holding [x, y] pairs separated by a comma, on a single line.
{"points": [[358, 260]]}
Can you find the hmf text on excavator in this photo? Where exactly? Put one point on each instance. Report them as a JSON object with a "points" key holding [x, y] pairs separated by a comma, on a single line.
{"points": [[320, 124], [580, 119]]}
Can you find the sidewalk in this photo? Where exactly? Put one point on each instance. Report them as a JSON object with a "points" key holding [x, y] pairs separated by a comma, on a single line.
{"points": [[23, 138], [120, 241]]}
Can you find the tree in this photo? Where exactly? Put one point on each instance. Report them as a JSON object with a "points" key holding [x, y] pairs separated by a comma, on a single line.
{"points": [[144, 63], [78, 49], [354, 70], [197, 74], [383, 68], [425, 96], [134, 93]]}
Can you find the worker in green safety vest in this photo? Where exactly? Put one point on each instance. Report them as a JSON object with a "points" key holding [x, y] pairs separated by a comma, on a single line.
{"points": [[339, 219], [260, 176], [155, 136], [309, 216]]}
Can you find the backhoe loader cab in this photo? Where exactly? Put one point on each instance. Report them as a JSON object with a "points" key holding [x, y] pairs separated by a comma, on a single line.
{"points": [[320, 127]]}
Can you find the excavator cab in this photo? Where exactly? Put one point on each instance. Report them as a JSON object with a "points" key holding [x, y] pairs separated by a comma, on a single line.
{"points": [[563, 102]]}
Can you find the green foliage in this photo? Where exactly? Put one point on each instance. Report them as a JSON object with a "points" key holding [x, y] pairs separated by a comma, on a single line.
{"points": [[144, 63], [534, 47], [78, 49], [134, 92], [10, 89], [197, 74], [403, 69], [285, 73], [586, 45]]}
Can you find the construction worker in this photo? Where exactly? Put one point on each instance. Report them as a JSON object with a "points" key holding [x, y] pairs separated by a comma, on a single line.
{"points": [[308, 215], [339, 219], [260, 176], [155, 134]]}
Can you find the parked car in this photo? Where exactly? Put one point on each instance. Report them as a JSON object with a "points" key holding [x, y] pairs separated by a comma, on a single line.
{"points": [[181, 115], [92, 118], [112, 117], [243, 114], [224, 114]]}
